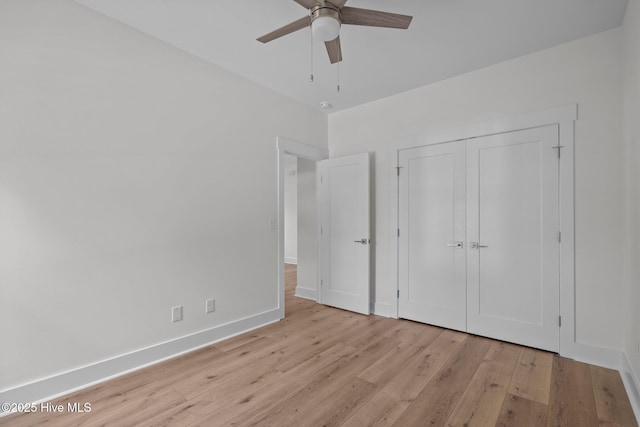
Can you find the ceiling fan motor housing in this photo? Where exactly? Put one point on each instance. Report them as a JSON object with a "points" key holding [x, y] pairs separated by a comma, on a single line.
{"points": [[325, 21]]}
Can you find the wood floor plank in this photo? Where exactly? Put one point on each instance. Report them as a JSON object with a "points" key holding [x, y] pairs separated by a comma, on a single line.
{"points": [[572, 401], [215, 374], [483, 398], [138, 382], [314, 341], [325, 366], [179, 415], [382, 410], [322, 385], [532, 377], [238, 406], [612, 404], [335, 408], [379, 371], [245, 402], [503, 357], [435, 403], [138, 410], [238, 341], [420, 370], [520, 412]]}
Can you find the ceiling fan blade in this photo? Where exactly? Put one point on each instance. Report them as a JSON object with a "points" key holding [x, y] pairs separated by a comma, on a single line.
{"points": [[308, 4], [334, 50], [338, 3], [287, 29], [373, 18]]}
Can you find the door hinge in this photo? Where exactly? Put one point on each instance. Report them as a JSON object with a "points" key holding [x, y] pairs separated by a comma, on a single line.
{"points": [[398, 232], [559, 321], [398, 293], [321, 282], [559, 148], [321, 230], [398, 170], [321, 179], [559, 236]]}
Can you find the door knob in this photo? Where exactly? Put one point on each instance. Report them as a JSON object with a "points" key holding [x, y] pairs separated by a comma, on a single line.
{"points": [[476, 245], [454, 245], [363, 241]]}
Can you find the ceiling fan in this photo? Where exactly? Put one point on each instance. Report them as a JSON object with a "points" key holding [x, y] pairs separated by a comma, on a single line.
{"points": [[326, 17]]}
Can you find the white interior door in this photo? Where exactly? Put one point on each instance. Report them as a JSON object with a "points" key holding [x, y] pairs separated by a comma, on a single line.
{"points": [[344, 238], [513, 245], [432, 273]]}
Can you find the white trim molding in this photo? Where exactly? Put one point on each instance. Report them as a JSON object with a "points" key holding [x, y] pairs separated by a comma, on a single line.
{"points": [[631, 384], [382, 309], [566, 115], [306, 293], [293, 261], [67, 382]]}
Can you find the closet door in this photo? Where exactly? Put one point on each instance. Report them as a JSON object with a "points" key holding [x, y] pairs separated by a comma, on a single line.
{"points": [[513, 237], [431, 238]]}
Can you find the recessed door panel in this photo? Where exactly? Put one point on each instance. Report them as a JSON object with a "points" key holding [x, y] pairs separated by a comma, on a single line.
{"points": [[345, 253], [432, 257], [513, 251]]}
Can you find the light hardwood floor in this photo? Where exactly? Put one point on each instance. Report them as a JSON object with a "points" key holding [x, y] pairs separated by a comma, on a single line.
{"points": [[327, 367]]}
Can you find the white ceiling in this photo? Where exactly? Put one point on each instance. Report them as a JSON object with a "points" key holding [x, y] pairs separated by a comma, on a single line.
{"points": [[445, 39]]}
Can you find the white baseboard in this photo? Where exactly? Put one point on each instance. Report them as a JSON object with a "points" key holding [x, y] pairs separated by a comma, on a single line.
{"points": [[306, 293], [58, 385], [381, 309], [613, 359], [608, 358], [291, 261], [631, 384], [593, 355]]}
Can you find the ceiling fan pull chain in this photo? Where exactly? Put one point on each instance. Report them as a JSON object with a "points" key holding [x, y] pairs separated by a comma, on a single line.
{"points": [[338, 87], [311, 57]]}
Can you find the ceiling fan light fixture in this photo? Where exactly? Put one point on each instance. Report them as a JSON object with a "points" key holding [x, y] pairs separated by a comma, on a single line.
{"points": [[325, 22], [325, 28]]}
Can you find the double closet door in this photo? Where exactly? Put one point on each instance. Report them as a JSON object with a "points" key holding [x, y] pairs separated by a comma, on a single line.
{"points": [[479, 236]]}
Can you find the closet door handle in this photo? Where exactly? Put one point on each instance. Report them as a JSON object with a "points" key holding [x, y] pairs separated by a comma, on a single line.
{"points": [[454, 245], [476, 245]]}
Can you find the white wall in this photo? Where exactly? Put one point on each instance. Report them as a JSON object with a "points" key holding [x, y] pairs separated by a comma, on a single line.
{"points": [[291, 210], [587, 72], [133, 177], [631, 31]]}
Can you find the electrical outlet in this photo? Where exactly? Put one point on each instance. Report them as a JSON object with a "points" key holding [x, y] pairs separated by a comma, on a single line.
{"points": [[210, 306], [176, 313]]}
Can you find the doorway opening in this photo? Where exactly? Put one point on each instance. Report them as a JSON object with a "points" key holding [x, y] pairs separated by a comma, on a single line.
{"points": [[290, 224], [301, 187]]}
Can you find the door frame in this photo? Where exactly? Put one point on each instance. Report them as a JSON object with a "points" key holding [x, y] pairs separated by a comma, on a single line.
{"points": [[298, 149], [564, 117]]}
